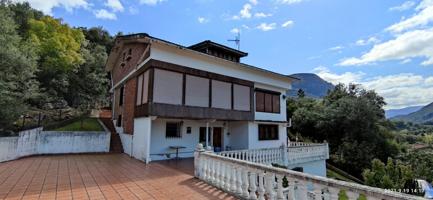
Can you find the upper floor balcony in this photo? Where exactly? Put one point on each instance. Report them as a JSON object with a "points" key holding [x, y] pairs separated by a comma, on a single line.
{"points": [[295, 153]]}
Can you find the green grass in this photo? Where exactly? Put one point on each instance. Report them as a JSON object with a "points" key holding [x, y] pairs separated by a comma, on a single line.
{"points": [[89, 124], [335, 175]]}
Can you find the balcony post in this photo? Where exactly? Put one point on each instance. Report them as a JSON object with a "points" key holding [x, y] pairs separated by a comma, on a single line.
{"points": [[285, 155], [198, 163]]}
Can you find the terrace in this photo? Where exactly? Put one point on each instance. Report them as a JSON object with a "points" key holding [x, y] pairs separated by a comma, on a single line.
{"points": [[225, 175]]}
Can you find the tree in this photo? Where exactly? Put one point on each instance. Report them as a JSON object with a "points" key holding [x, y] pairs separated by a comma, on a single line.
{"points": [[89, 79], [352, 120], [98, 36], [301, 93], [17, 68], [393, 175], [59, 50]]}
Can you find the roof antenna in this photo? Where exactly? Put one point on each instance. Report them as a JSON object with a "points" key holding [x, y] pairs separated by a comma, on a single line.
{"points": [[237, 40]]}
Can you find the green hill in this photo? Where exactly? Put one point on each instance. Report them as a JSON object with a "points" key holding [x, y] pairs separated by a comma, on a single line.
{"points": [[424, 115]]}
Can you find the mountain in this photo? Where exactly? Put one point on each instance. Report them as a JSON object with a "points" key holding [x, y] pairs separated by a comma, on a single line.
{"points": [[313, 85], [402, 111], [424, 115]]}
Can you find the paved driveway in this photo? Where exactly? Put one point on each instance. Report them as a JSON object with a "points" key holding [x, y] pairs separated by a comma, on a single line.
{"points": [[101, 176]]}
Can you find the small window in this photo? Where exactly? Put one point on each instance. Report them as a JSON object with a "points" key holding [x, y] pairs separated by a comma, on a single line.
{"points": [[268, 132], [129, 56], [119, 121], [121, 96], [123, 56], [173, 130], [267, 101]]}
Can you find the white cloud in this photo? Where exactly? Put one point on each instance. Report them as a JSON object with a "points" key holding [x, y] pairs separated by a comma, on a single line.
{"points": [[46, 6], [104, 14], [246, 11], [115, 5], [371, 40], [151, 2], [289, 2], [245, 26], [429, 81], [336, 48], [235, 30], [399, 90], [407, 45], [404, 6], [424, 4], [262, 15], [202, 20], [287, 24], [346, 78], [266, 27], [422, 18], [254, 2], [406, 61], [133, 10]]}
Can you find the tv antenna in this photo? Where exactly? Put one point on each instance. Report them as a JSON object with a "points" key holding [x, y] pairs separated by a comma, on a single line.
{"points": [[237, 40]]}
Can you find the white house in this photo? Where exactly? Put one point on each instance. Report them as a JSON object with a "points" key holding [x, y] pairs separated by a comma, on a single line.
{"points": [[167, 98]]}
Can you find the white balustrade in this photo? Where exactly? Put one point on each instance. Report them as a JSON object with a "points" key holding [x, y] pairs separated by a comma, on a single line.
{"points": [[250, 180], [294, 154]]}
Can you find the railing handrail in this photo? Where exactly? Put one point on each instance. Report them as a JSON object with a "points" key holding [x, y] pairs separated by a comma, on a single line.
{"points": [[353, 187], [274, 148]]}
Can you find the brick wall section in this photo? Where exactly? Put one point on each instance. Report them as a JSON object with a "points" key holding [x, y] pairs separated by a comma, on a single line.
{"points": [[129, 106], [120, 72]]}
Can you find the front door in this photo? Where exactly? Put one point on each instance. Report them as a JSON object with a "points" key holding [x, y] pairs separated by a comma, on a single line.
{"points": [[217, 137]]}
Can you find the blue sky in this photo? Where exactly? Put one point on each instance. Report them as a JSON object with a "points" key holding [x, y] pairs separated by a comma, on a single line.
{"points": [[383, 45]]}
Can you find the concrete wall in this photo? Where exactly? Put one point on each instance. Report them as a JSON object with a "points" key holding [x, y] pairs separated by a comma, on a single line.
{"points": [[317, 168], [238, 135], [141, 138], [126, 140], [255, 143], [36, 141]]}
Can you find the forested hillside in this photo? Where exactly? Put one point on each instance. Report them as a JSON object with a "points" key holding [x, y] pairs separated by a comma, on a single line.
{"points": [[362, 141], [46, 64], [421, 116]]}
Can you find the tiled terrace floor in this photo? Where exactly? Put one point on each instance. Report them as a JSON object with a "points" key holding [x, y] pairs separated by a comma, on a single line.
{"points": [[101, 176]]}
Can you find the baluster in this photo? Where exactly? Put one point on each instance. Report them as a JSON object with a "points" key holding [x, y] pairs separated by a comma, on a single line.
{"points": [[280, 194], [228, 176], [218, 173], [239, 181], [291, 188], [223, 174], [317, 192], [269, 185], [261, 189], [245, 183], [352, 195], [333, 193], [212, 171], [205, 170], [233, 182], [302, 191], [253, 186]]}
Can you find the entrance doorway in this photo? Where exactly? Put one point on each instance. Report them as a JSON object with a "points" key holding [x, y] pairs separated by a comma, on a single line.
{"points": [[217, 139]]}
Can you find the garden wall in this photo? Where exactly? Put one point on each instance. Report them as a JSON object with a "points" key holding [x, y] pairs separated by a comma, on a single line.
{"points": [[36, 141]]}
